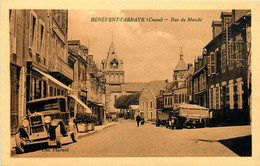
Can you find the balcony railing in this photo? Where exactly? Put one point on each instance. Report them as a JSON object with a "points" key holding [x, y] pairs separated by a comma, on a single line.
{"points": [[63, 68]]}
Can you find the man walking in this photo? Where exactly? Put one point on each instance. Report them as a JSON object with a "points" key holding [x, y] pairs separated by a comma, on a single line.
{"points": [[138, 119]]}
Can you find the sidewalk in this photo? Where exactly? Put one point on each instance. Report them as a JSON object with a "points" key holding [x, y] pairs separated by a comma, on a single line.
{"points": [[80, 135]]}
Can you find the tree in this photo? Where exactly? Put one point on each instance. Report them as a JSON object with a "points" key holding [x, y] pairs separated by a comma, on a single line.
{"points": [[125, 101]]}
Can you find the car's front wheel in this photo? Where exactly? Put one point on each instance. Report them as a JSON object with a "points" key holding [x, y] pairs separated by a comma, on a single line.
{"points": [[58, 136], [74, 135], [19, 144]]}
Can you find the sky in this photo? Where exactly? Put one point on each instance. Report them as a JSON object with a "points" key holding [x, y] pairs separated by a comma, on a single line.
{"points": [[149, 50]]}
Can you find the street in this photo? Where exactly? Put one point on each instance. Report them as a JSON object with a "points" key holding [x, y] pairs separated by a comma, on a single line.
{"points": [[127, 140]]}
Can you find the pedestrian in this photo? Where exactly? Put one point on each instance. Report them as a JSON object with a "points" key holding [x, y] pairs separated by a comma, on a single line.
{"points": [[142, 121], [138, 119]]}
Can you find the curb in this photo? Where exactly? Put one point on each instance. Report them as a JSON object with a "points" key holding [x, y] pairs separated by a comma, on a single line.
{"points": [[93, 132], [80, 135]]}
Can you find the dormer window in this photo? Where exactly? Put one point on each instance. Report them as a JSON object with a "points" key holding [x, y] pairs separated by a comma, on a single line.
{"points": [[113, 52]]}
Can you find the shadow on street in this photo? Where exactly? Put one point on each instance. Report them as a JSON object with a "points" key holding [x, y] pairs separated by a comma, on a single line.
{"points": [[242, 146]]}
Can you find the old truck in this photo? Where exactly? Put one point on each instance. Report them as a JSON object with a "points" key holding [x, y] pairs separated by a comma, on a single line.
{"points": [[189, 116], [161, 117]]}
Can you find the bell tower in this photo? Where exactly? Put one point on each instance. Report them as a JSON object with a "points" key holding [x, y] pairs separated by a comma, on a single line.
{"points": [[113, 67]]}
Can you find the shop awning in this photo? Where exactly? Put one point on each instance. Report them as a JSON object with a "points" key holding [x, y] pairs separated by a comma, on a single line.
{"points": [[53, 79], [81, 103], [100, 104]]}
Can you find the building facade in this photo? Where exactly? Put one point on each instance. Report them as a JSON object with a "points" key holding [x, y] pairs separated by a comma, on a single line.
{"points": [[88, 82], [199, 81], [228, 69], [147, 99], [38, 58]]}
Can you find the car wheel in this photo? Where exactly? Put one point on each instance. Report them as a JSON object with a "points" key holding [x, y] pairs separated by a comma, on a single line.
{"points": [[58, 136], [19, 144], [74, 135]]}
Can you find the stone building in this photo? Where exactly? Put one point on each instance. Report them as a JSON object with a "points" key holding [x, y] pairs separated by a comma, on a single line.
{"points": [[115, 85], [199, 94], [228, 69], [88, 82], [38, 58], [147, 99]]}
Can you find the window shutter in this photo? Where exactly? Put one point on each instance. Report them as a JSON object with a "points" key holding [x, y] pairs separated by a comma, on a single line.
{"points": [[208, 58], [210, 105], [231, 95], [38, 36], [214, 98], [14, 32], [30, 30]]}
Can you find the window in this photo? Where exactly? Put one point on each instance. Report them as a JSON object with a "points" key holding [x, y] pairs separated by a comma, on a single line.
{"points": [[165, 101], [32, 29], [170, 101], [51, 91], [115, 97], [213, 63], [239, 93], [231, 94], [151, 104]]}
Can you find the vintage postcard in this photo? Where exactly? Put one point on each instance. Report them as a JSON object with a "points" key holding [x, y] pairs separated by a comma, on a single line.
{"points": [[129, 85]]}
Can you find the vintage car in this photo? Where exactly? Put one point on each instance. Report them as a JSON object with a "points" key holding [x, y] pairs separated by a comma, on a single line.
{"points": [[46, 120]]}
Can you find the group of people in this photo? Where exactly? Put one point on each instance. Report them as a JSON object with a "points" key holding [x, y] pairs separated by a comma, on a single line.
{"points": [[139, 119]]}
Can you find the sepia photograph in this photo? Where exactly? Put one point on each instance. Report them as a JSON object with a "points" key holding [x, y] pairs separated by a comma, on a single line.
{"points": [[85, 85], [129, 84]]}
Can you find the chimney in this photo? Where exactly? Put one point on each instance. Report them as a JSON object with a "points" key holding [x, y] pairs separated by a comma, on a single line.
{"points": [[90, 57], [189, 65], [237, 14], [216, 28]]}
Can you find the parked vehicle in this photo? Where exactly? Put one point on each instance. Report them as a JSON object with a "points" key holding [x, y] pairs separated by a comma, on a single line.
{"points": [[46, 120], [189, 116], [161, 117]]}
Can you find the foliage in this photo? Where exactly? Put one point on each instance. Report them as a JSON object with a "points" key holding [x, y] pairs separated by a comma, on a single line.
{"points": [[83, 117], [125, 101]]}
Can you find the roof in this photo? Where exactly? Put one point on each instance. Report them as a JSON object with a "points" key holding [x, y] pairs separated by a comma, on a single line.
{"points": [[225, 14], [73, 42], [134, 107], [169, 85], [186, 75], [189, 72], [46, 99], [135, 86], [181, 66], [191, 106], [216, 23], [156, 86]]}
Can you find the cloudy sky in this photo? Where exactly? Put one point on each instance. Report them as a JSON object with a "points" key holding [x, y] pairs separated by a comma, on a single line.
{"points": [[149, 50]]}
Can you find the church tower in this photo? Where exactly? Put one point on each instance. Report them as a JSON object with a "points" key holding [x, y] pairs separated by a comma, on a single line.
{"points": [[180, 69], [113, 67], [114, 78]]}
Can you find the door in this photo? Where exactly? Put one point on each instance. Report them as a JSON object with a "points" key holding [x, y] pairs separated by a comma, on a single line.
{"points": [[14, 75]]}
